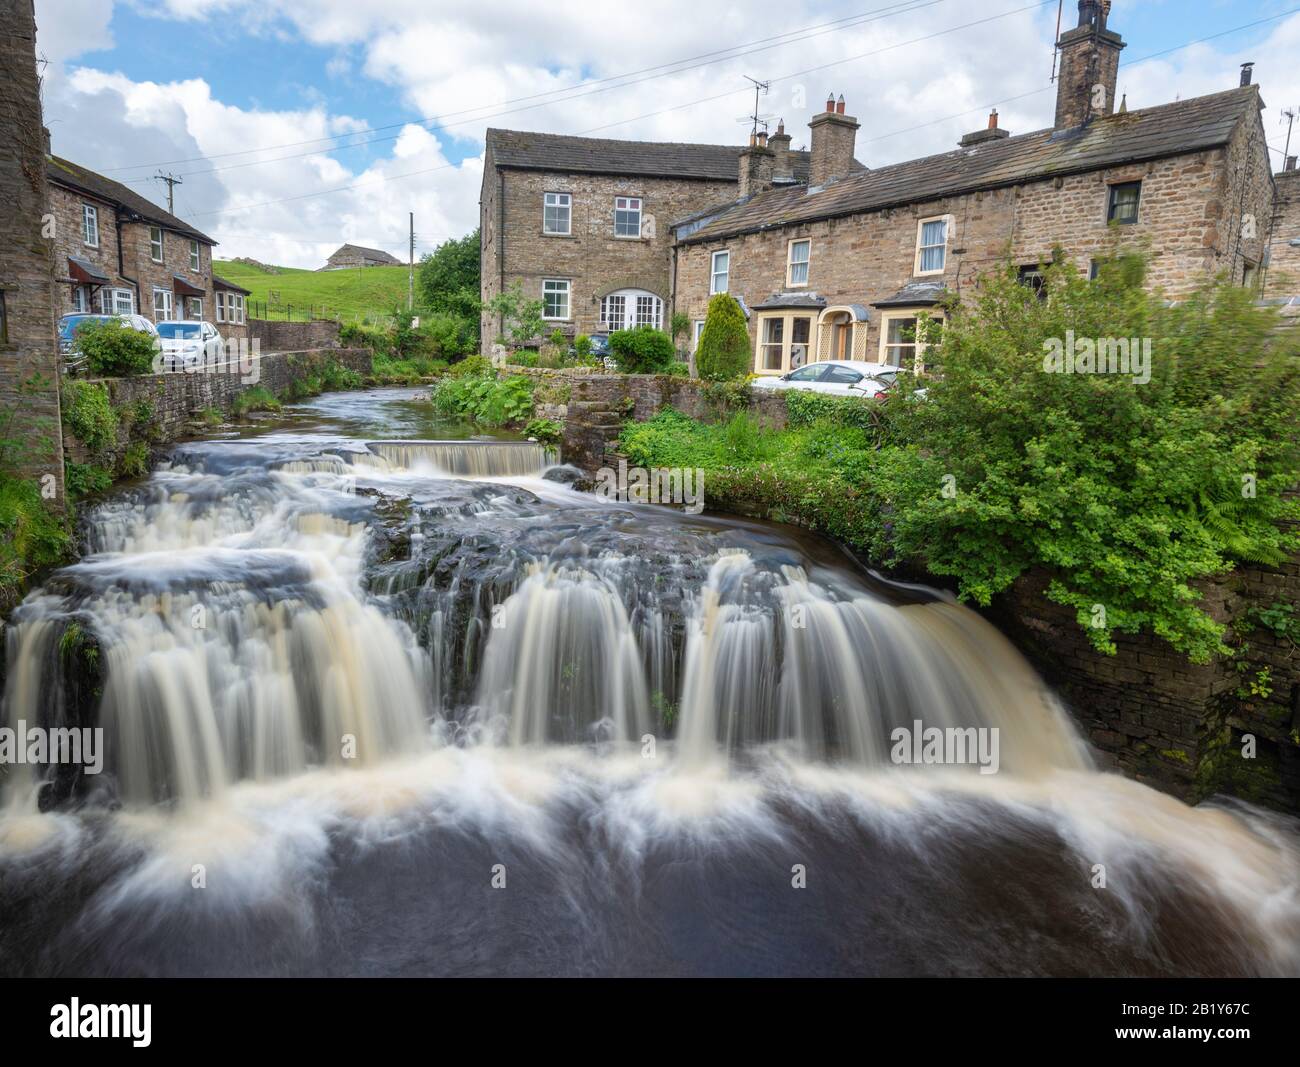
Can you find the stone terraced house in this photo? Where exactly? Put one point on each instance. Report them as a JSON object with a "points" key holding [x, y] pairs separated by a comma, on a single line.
{"points": [[830, 259], [117, 252]]}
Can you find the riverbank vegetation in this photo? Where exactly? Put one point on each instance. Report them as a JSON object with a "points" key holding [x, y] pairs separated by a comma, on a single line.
{"points": [[1126, 488], [473, 391]]}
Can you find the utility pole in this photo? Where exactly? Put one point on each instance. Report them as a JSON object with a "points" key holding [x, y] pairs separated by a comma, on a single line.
{"points": [[172, 181], [410, 277], [1289, 115]]}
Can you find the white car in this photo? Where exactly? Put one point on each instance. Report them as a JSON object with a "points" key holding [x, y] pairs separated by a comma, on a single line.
{"points": [[189, 343], [839, 377]]}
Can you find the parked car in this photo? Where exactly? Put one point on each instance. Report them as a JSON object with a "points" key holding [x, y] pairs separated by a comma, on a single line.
{"points": [[840, 377], [600, 344], [72, 357], [189, 343]]}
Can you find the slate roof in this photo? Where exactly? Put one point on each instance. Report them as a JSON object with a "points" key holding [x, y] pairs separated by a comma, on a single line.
{"points": [[914, 294], [645, 159], [219, 282], [66, 173], [1169, 129], [791, 300]]}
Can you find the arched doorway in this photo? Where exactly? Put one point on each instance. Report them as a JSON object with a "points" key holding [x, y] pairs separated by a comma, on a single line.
{"points": [[841, 332], [624, 309]]}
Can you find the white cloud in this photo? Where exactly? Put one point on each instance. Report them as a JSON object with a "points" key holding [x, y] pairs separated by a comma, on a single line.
{"points": [[459, 63]]}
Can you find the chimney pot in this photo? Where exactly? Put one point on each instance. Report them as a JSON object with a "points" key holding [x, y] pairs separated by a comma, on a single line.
{"points": [[1289, 164], [1246, 69], [993, 119], [830, 101], [839, 105]]}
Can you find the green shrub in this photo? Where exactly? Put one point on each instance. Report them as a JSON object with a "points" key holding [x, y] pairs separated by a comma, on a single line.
{"points": [[80, 479], [582, 348], [32, 535], [259, 398], [337, 378], [135, 461], [679, 369], [642, 350], [804, 407], [723, 352], [486, 401], [548, 431], [88, 413], [114, 350], [472, 367]]}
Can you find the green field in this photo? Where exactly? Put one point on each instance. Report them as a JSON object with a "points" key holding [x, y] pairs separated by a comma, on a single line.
{"points": [[348, 295]]}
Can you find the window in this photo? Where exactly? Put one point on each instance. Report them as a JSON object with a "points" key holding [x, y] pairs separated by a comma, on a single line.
{"points": [[194, 255], [719, 272], [80, 299], [796, 271], [1094, 269], [555, 298], [557, 212], [219, 298], [905, 337], [4, 320], [116, 302], [235, 307], [156, 244], [782, 342], [1249, 275], [194, 307], [1032, 277], [648, 310], [90, 225], [1123, 206], [627, 216], [162, 304], [699, 329], [613, 311], [842, 376], [931, 245]]}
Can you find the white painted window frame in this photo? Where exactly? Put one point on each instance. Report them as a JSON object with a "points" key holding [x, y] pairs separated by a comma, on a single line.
{"points": [[918, 346], [628, 210], [159, 231], [567, 289], [917, 272], [567, 205], [90, 225], [791, 264]]}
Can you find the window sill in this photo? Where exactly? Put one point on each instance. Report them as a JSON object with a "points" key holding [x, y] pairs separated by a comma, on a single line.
{"points": [[568, 236], [928, 273]]}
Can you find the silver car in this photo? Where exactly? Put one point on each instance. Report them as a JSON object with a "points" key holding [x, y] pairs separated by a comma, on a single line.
{"points": [[839, 377]]}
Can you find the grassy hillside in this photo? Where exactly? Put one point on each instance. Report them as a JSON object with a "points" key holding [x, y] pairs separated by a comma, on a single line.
{"points": [[350, 295]]}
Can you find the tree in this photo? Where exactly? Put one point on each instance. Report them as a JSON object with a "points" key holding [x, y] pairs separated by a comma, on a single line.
{"points": [[723, 351], [521, 320], [449, 278]]}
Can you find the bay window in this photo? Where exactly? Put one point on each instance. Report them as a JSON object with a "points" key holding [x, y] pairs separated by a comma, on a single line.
{"points": [[905, 335], [782, 342]]}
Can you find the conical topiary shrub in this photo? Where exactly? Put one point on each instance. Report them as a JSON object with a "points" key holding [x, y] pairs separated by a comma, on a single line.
{"points": [[723, 352]]}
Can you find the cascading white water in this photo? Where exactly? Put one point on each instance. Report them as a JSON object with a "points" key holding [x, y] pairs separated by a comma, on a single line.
{"points": [[361, 678]]}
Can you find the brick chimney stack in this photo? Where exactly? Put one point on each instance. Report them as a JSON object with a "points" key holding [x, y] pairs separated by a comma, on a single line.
{"points": [[756, 166], [1247, 70], [833, 137], [1089, 69], [782, 165]]}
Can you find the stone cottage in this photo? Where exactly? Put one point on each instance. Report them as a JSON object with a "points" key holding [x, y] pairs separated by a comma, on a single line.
{"points": [[119, 253], [582, 223], [357, 256], [830, 259], [860, 265]]}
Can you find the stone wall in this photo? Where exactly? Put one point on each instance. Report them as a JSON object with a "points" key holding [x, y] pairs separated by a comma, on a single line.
{"points": [[593, 405], [178, 399], [29, 371], [294, 336], [1284, 256]]}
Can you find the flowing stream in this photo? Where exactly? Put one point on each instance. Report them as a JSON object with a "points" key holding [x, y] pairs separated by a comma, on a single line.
{"points": [[380, 698]]}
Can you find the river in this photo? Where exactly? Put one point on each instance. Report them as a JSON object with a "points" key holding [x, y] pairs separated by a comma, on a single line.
{"points": [[382, 698]]}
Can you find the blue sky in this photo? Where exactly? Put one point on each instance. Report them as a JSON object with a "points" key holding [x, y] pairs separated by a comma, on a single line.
{"points": [[201, 80]]}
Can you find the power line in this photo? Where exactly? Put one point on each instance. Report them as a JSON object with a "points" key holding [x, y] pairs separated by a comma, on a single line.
{"points": [[786, 77], [736, 52], [692, 103]]}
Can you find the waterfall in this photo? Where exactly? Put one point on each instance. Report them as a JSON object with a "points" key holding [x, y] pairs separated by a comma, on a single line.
{"points": [[348, 677]]}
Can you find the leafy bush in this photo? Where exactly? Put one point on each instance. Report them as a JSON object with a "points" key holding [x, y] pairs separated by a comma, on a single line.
{"points": [[88, 413], [679, 369], [135, 460], [80, 479], [723, 352], [338, 378], [31, 534], [803, 407], [642, 350], [114, 350], [259, 398], [582, 348], [472, 367], [548, 431], [486, 401], [521, 319]]}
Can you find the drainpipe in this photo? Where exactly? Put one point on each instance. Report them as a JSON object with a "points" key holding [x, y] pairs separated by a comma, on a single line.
{"points": [[121, 264], [501, 242]]}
